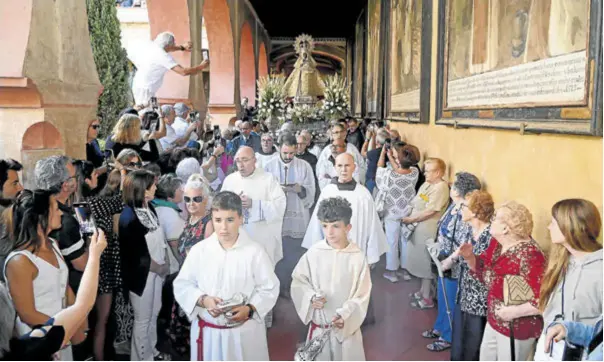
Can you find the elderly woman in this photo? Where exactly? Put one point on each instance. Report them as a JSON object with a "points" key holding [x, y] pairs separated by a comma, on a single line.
{"points": [[197, 228], [574, 269], [45, 342], [470, 315], [127, 134], [427, 208], [452, 232], [511, 252]]}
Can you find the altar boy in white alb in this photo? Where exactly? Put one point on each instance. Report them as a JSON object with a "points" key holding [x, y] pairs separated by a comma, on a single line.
{"points": [[332, 284], [263, 202], [367, 231], [297, 181], [217, 269]]}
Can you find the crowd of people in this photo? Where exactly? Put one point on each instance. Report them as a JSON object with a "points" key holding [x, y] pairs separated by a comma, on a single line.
{"points": [[197, 232]]}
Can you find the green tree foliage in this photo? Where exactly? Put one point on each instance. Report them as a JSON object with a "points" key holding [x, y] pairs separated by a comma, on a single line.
{"points": [[111, 61]]}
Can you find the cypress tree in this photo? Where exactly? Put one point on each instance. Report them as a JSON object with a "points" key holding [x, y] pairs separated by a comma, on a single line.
{"points": [[111, 61]]}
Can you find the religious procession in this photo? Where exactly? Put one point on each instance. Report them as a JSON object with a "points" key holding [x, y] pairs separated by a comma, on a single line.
{"points": [[392, 188]]}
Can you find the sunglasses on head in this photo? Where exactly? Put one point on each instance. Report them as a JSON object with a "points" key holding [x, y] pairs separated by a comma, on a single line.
{"points": [[196, 199], [95, 126]]}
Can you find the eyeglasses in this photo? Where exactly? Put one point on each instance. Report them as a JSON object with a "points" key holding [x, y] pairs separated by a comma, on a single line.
{"points": [[196, 199], [95, 126], [134, 164]]}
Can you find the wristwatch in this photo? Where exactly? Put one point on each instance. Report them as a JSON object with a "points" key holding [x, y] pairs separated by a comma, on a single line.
{"points": [[251, 314]]}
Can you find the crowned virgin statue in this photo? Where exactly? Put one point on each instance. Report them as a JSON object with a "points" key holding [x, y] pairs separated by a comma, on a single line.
{"points": [[304, 84]]}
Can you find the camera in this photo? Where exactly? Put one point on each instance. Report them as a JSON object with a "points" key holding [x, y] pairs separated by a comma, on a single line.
{"points": [[388, 143], [193, 115], [154, 103]]}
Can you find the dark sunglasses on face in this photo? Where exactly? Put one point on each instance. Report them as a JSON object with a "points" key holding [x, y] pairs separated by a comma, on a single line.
{"points": [[196, 199], [95, 126], [134, 164]]}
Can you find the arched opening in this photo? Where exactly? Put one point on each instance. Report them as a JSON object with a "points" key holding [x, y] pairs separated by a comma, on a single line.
{"points": [[262, 61], [39, 141], [222, 56], [247, 65]]}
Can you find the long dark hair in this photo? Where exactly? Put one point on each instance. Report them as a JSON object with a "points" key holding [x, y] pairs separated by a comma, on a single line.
{"points": [[84, 170], [30, 210]]}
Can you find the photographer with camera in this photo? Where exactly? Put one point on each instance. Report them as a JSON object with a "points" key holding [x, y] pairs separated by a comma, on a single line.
{"points": [[380, 137], [174, 137], [127, 133]]}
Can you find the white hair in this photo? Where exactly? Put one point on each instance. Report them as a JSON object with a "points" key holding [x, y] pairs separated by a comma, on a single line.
{"points": [[187, 167], [167, 109], [164, 39], [200, 183]]}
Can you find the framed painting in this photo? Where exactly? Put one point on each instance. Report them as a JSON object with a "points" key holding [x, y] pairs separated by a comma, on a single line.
{"points": [[372, 57], [532, 65], [409, 46], [359, 61]]}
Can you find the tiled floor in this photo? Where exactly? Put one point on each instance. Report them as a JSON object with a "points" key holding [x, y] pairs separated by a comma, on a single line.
{"points": [[396, 335]]}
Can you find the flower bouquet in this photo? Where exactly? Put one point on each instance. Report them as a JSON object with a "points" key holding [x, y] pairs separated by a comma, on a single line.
{"points": [[304, 113], [271, 99], [336, 103]]}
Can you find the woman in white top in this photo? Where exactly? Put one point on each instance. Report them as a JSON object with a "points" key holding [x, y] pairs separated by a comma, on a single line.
{"points": [[36, 273], [145, 260], [396, 185]]}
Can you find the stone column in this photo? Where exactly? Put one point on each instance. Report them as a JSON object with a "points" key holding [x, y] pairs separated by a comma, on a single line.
{"points": [[49, 86]]}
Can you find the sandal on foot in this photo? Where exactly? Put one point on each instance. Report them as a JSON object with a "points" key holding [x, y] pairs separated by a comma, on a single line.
{"points": [[422, 304], [431, 334], [415, 296], [439, 346]]}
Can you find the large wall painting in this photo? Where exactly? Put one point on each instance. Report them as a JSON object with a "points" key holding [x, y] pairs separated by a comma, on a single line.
{"points": [[523, 60], [410, 39], [359, 41], [373, 55]]}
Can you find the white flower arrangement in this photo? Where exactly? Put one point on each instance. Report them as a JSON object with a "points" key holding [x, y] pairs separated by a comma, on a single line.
{"points": [[336, 103], [303, 113], [271, 97]]}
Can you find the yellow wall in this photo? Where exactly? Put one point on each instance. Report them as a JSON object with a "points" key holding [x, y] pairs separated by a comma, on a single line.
{"points": [[535, 170]]}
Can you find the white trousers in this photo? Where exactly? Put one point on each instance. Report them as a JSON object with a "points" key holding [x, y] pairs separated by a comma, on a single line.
{"points": [[397, 245], [146, 310], [496, 347]]}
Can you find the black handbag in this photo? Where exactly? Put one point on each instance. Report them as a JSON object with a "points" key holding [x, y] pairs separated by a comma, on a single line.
{"points": [[571, 352]]}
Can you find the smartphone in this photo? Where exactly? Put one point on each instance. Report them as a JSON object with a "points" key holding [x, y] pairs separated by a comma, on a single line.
{"points": [[216, 132], [84, 217], [154, 104], [205, 54]]}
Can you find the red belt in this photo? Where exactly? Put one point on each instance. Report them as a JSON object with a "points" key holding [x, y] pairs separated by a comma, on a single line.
{"points": [[203, 324], [314, 326]]}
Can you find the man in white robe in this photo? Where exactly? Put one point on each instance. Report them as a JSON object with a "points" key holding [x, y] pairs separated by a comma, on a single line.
{"points": [[267, 151], [297, 180], [215, 270], [263, 200], [338, 135], [367, 231], [332, 284], [326, 168]]}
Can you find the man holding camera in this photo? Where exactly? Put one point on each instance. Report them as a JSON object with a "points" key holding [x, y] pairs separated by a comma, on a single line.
{"points": [[152, 61], [382, 138], [176, 135]]}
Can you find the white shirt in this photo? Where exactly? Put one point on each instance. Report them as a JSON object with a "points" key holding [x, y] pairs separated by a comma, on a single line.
{"points": [[156, 242], [167, 142], [180, 126], [152, 63]]}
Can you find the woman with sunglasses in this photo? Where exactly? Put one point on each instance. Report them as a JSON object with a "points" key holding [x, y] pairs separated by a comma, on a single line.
{"points": [[197, 228], [94, 153]]}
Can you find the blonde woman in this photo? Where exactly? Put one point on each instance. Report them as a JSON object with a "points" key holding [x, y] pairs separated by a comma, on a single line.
{"points": [[428, 206], [512, 251], [127, 134], [574, 270]]}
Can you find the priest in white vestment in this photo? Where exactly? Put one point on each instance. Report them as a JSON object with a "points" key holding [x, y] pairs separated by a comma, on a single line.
{"points": [[367, 231], [332, 284], [267, 151], [297, 181], [263, 200], [326, 168], [338, 135], [215, 270]]}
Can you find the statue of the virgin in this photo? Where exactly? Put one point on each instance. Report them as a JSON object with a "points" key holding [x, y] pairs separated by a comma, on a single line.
{"points": [[304, 83]]}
